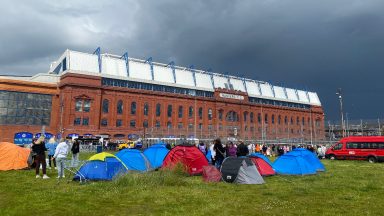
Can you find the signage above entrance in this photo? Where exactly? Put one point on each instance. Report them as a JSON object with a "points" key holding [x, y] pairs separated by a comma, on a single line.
{"points": [[231, 96]]}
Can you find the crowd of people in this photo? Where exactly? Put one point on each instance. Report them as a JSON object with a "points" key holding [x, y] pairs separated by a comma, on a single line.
{"points": [[57, 155], [219, 151]]}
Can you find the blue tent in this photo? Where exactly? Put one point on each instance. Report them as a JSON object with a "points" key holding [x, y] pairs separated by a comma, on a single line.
{"points": [[103, 166], [293, 165], [262, 157], [156, 154], [134, 159], [309, 157]]}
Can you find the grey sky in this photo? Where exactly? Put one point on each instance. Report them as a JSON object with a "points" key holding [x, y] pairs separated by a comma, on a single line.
{"points": [[312, 45]]}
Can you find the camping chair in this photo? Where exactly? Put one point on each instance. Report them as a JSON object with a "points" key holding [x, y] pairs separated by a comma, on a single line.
{"points": [[74, 169]]}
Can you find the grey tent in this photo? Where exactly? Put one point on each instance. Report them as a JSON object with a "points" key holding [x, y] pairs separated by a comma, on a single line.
{"points": [[240, 170]]}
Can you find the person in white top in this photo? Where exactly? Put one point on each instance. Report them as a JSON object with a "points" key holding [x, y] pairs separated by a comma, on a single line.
{"points": [[213, 153], [61, 153]]}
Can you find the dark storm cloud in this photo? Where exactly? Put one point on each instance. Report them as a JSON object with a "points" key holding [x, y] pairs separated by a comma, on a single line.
{"points": [[313, 45]]}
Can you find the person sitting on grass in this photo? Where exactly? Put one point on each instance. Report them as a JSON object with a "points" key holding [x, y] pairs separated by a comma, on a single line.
{"points": [[38, 146], [60, 155]]}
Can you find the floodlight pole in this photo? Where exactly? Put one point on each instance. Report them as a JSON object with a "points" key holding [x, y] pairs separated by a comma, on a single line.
{"points": [[341, 111]]}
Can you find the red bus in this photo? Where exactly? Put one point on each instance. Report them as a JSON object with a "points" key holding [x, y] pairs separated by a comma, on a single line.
{"points": [[369, 148]]}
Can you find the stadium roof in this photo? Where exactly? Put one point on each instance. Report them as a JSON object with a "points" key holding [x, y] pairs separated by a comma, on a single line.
{"points": [[147, 71]]}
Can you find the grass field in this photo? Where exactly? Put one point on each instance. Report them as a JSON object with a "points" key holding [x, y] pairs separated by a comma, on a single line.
{"points": [[346, 188]]}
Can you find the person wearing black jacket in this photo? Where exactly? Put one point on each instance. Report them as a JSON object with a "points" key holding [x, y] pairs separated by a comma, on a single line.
{"points": [[220, 153], [242, 150], [38, 147], [75, 153]]}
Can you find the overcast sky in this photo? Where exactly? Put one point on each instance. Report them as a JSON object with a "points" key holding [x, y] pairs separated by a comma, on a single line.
{"points": [[312, 45]]}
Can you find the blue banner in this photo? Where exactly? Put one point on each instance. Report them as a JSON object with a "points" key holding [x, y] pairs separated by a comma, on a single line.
{"points": [[47, 135], [22, 138]]}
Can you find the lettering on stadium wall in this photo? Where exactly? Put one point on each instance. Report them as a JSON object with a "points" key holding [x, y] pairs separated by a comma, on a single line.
{"points": [[231, 96]]}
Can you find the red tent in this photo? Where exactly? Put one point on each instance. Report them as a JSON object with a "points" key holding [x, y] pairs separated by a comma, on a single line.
{"points": [[264, 168], [211, 174], [190, 156]]}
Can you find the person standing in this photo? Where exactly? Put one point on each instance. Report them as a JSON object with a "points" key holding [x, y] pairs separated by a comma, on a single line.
{"points": [[60, 155], [75, 153], [232, 150], [213, 153], [51, 146], [220, 153], [202, 148], [38, 146], [242, 150]]}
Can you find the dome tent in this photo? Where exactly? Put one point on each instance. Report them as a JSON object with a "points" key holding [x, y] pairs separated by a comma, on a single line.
{"points": [[309, 157], [188, 155], [264, 168], [102, 166], [293, 165], [240, 170], [262, 157], [134, 159], [13, 157], [156, 154]]}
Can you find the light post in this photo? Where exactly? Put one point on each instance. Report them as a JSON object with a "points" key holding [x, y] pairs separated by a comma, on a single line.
{"points": [[341, 111]]}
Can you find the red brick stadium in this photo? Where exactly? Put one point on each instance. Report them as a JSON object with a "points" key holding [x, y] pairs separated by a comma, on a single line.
{"points": [[115, 96]]}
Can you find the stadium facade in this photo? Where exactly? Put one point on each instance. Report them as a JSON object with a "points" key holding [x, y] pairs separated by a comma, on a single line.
{"points": [[115, 96]]}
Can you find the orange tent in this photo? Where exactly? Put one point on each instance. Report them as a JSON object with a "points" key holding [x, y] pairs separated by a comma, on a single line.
{"points": [[13, 157]]}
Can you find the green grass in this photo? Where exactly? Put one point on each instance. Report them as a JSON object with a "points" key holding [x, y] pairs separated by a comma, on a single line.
{"points": [[346, 188]]}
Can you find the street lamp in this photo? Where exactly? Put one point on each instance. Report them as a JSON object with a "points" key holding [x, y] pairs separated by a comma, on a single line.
{"points": [[341, 111]]}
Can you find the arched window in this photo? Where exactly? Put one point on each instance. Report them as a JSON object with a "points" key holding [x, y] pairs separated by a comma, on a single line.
{"points": [[266, 118], [303, 121], [190, 112], [180, 111], [158, 110], [285, 120], [105, 106], [273, 119], [133, 108], [146, 109], [232, 116], [245, 115], [209, 114], [259, 118], [120, 107], [279, 119], [291, 120], [251, 118], [169, 124], [201, 113], [169, 110], [297, 120], [157, 124]]}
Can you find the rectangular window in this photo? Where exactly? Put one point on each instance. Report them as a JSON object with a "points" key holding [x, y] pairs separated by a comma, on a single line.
{"points": [[180, 125], [86, 121], [77, 121], [169, 111], [190, 126], [132, 123], [87, 105], [180, 111], [104, 122], [79, 105], [119, 123]]}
